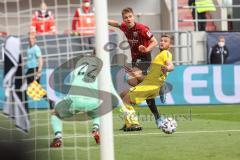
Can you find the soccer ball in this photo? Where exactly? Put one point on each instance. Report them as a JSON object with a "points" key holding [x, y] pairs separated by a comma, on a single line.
{"points": [[168, 125]]}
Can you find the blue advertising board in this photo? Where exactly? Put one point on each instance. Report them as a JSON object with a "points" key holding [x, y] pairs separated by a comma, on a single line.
{"points": [[192, 85], [204, 84]]}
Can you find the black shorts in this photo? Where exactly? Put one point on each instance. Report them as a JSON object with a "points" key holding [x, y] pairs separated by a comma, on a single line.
{"points": [[31, 75], [143, 62]]}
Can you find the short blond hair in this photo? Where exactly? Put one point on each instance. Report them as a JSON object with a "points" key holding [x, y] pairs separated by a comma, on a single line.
{"points": [[127, 10], [169, 36]]}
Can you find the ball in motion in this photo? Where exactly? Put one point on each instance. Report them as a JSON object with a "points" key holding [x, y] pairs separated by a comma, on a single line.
{"points": [[169, 125]]}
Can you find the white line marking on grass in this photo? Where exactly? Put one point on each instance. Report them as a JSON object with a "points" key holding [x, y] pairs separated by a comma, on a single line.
{"points": [[66, 136], [6, 129], [65, 148], [186, 132], [139, 133], [216, 131]]}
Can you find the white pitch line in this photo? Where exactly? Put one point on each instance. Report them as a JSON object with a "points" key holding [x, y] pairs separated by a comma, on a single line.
{"points": [[6, 129], [65, 148], [186, 132], [216, 131], [137, 133], [140, 134]]}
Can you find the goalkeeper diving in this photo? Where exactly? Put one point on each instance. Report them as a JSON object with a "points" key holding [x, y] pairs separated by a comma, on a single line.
{"points": [[72, 106]]}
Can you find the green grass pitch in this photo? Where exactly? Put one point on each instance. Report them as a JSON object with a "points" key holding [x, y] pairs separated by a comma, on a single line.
{"points": [[203, 133]]}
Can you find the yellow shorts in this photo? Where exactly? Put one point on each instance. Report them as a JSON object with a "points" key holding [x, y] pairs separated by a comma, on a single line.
{"points": [[142, 92]]}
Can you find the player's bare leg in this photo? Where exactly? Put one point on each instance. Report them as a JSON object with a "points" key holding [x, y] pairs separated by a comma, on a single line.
{"points": [[132, 81], [135, 76]]}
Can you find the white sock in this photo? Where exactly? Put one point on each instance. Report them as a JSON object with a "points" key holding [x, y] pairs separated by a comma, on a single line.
{"points": [[58, 135]]}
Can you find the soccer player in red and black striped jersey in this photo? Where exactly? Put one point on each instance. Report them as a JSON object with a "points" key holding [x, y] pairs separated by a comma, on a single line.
{"points": [[142, 42]]}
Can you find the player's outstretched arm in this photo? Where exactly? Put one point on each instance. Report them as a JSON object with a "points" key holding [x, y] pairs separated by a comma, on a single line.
{"points": [[113, 23], [168, 67], [152, 45]]}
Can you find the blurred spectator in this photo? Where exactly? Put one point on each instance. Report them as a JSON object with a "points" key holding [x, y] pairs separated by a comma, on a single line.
{"points": [[43, 21], [34, 60], [34, 65], [219, 52], [203, 6], [83, 21], [3, 33]]}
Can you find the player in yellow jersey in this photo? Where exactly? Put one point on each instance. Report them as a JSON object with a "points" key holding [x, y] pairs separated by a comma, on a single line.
{"points": [[150, 84]]}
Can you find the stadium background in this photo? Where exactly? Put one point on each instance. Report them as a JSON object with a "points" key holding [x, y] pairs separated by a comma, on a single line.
{"points": [[191, 47], [192, 56]]}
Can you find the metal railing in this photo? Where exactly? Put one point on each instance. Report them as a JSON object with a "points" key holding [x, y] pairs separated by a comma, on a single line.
{"points": [[182, 47], [196, 20]]}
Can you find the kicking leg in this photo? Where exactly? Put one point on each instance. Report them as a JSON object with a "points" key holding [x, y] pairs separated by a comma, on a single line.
{"points": [[152, 106]]}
